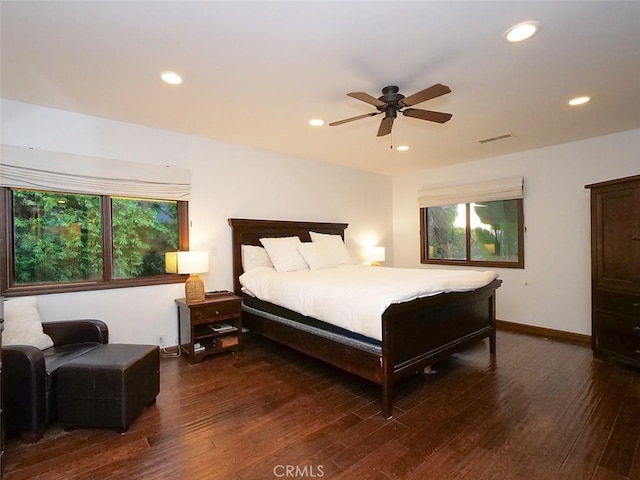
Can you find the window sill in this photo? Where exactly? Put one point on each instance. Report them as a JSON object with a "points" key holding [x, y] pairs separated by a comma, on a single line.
{"points": [[466, 263], [43, 289]]}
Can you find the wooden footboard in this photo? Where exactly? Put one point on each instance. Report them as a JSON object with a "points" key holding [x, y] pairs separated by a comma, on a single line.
{"points": [[415, 334], [427, 330]]}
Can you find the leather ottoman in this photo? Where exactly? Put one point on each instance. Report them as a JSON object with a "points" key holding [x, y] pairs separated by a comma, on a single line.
{"points": [[109, 386]]}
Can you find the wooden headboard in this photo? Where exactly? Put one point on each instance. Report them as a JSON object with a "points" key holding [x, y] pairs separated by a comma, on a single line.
{"points": [[249, 232]]}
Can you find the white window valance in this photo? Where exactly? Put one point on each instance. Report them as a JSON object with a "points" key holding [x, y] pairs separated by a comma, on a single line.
{"points": [[493, 190], [63, 172]]}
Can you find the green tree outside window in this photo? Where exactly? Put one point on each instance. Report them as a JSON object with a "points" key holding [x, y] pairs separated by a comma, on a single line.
{"points": [[58, 237], [483, 233]]}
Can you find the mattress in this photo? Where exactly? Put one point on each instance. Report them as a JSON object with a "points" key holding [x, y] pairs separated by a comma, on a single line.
{"points": [[354, 297], [310, 325]]}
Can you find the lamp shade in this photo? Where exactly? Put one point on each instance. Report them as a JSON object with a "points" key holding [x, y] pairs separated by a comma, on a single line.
{"points": [[186, 262], [374, 254], [193, 262], [171, 262]]}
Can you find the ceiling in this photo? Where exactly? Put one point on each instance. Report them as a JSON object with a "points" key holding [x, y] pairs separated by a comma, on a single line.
{"points": [[255, 73]]}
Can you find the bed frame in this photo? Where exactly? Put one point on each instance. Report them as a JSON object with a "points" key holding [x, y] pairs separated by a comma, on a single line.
{"points": [[415, 334]]}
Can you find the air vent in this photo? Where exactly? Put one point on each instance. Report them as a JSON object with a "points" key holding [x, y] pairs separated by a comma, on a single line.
{"points": [[494, 139]]}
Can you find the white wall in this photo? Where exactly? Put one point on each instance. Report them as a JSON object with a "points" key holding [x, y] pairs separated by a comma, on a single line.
{"points": [[553, 291], [228, 181]]}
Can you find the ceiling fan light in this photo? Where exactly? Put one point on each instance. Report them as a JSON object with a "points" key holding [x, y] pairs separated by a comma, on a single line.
{"points": [[579, 101], [316, 122], [402, 148], [521, 32]]}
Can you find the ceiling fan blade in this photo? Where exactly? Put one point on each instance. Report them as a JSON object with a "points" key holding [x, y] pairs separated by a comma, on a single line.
{"points": [[427, 94], [385, 126], [438, 117], [365, 97], [346, 120]]}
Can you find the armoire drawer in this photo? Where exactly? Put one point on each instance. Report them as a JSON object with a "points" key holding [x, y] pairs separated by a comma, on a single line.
{"points": [[620, 303], [618, 334]]}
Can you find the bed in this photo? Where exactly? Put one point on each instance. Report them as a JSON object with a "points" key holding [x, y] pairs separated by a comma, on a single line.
{"points": [[414, 334]]}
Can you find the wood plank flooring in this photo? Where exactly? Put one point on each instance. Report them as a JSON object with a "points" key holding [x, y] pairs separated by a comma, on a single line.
{"points": [[543, 409]]}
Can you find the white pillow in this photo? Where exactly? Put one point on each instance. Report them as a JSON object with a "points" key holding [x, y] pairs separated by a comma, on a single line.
{"points": [[283, 252], [22, 325], [336, 246], [254, 257], [317, 255]]}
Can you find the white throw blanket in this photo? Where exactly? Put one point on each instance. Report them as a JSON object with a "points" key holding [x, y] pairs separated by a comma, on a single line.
{"points": [[354, 297]]}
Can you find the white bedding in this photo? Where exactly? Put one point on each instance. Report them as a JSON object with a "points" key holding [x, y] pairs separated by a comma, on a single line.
{"points": [[355, 296]]}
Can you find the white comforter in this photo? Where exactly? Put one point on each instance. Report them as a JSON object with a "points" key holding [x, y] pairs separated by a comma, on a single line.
{"points": [[355, 296]]}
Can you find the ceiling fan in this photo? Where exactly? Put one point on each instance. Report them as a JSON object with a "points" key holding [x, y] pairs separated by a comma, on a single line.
{"points": [[391, 102]]}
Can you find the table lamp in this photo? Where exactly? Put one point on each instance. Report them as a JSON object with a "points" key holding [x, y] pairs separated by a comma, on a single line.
{"points": [[191, 263], [374, 255]]}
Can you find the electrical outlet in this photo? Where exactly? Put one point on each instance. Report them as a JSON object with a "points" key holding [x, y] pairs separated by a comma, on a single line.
{"points": [[160, 340]]}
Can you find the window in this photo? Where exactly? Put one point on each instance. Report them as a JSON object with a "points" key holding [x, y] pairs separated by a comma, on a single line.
{"points": [[488, 233], [56, 238], [54, 242], [142, 231]]}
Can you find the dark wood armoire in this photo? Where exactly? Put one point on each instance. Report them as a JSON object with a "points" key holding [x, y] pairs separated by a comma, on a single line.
{"points": [[1, 392], [615, 269]]}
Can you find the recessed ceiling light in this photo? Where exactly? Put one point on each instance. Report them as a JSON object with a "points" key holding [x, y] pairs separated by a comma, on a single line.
{"points": [[579, 101], [521, 32], [316, 122], [172, 78], [403, 148]]}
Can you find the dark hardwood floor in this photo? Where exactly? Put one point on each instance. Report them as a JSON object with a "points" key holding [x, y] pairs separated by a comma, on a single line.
{"points": [[543, 409]]}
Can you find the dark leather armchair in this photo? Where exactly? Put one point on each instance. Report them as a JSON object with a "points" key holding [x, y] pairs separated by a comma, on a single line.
{"points": [[29, 374]]}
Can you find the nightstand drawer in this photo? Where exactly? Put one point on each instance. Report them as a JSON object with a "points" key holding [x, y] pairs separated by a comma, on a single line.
{"points": [[216, 311]]}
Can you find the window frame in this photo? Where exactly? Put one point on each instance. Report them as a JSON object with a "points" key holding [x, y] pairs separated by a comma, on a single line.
{"points": [[424, 242], [9, 289]]}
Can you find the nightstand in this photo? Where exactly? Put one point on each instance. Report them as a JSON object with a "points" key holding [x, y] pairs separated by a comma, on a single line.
{"points": [[211, 326]]}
